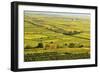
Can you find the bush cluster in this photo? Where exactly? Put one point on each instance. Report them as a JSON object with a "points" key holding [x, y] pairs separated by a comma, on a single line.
{"points": [[69, 45]]}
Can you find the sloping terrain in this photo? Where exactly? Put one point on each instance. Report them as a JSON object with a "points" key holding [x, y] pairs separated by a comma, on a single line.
{"points": [[44, 32]]}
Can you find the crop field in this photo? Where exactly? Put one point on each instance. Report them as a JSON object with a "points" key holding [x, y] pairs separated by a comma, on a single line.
{"points": [[56, 36]]}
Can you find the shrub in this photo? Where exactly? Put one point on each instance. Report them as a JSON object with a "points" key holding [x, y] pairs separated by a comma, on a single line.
{"points": [[80, 46], [28, 47], [71, 45], [40, 45], [65, 44]]}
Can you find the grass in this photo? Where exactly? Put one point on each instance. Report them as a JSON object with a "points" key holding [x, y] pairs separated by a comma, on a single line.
{"points": [[54, 56], [58, 50], [62, 37]]}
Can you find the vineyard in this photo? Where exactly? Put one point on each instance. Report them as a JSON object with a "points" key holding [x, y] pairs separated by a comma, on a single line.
{"points": [[53, 36]]}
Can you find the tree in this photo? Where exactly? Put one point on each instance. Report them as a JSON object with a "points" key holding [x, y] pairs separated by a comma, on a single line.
{"points": [[80, 46], [40, 45], [71, 45]]}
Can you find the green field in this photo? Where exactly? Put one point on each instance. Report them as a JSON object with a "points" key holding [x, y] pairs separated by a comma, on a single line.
{"points": [[56, 36]]}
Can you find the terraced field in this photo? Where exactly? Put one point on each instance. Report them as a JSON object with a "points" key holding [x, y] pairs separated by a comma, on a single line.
{"points": [[56, 36]]}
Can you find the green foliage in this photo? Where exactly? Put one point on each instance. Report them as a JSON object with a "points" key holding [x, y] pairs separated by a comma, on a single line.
{"points": [[67, 37], [54, 56], [80, 46], [28, 47], [40, 45], [71, 45]]}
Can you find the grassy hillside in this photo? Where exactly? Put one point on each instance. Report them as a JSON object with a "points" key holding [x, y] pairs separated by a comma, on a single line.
{"points": [[49, 36]]}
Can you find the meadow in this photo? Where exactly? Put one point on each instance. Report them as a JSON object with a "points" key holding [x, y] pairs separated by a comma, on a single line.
{"points": [[56, 36]]}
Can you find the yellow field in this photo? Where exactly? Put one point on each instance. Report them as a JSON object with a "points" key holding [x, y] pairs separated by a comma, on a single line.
{"points": [[59, 50], [56, 36]]}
